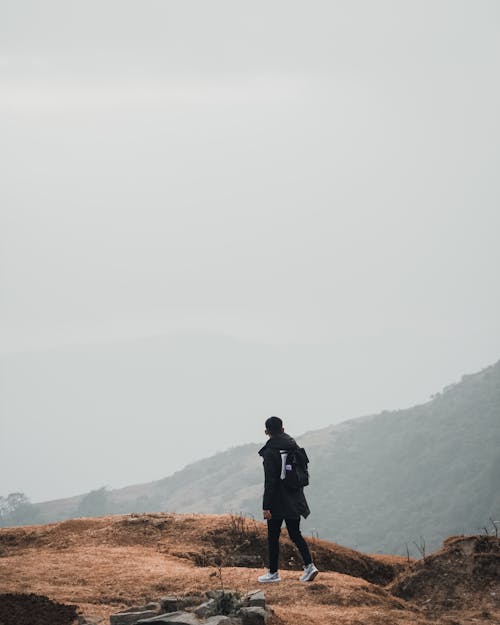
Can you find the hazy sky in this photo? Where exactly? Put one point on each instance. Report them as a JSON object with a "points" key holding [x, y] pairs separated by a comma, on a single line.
{"points": [[283, 172]]}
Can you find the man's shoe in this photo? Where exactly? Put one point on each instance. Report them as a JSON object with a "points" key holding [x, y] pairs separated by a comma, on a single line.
{"points": [[310, 572], [269, 577]]}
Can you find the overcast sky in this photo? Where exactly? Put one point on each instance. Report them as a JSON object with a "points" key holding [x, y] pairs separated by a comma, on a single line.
{"points": [[283, 172]]}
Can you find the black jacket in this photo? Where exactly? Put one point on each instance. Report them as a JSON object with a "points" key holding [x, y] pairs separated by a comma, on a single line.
{"points": [[282, 502]]}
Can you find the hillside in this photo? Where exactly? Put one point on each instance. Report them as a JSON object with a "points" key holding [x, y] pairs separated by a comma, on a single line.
{"points": [[379, 483], [104, 565], [141, 409]]}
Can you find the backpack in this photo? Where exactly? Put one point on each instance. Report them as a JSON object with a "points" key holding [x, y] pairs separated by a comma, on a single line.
{"points": [[294, 473]]}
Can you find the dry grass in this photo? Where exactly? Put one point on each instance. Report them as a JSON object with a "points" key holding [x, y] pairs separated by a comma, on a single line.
{"points": [[113, 562]]}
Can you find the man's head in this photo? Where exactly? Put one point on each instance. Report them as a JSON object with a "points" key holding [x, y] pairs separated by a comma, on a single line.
{"points": [[274, 426]]}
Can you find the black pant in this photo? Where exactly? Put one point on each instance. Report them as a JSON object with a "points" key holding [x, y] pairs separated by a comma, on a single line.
{"points": [[273, 540]]}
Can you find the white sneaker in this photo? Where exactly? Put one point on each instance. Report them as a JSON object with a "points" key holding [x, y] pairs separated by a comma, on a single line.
{"points": [[269, 577], [310, 572]]}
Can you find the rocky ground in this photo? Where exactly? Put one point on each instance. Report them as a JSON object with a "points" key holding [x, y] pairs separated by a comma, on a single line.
{"points": [[107, 565]]}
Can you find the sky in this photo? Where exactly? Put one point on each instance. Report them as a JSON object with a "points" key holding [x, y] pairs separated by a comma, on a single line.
{"points": [[283, 173]]}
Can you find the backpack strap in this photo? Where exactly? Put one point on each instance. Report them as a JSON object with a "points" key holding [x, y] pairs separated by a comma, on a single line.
{"points": [[284, 454]]}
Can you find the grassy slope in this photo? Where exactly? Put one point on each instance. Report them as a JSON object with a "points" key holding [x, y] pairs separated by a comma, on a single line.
{"points": [[106, 564]]}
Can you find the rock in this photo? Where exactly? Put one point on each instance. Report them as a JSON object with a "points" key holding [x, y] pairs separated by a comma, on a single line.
{"points": [[228, 601], [131, 617], [152, 605], [89, 620], [190, 600], [177, 618], [214, 594], [255, 599], [252, 616], [169, 604], [220, 619], [160, 524], [135, 521], [206, 609]]}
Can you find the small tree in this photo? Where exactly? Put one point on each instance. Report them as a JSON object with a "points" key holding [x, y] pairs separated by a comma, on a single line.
{"points": [[421, 547], [16, 509], [495, 525]]}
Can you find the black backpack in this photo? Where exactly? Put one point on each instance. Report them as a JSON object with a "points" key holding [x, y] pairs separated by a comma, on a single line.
{"points": [[296, 472]]}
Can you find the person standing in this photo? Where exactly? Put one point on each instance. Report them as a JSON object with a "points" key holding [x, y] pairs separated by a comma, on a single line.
{"points": [[281, 503]]}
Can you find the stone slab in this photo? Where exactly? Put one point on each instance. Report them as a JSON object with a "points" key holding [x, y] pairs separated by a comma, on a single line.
{"points": [[89, 619], [206, 609], [130, 618], [169, 603], [252, 616], [255, 599], [177, 618], [221, 619]]}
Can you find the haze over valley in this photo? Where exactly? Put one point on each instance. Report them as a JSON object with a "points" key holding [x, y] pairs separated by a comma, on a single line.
{"points": [[380, 483]]}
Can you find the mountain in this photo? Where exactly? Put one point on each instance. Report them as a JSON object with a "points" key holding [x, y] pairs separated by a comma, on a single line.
{"points": [[79, 416], [381, 483]]}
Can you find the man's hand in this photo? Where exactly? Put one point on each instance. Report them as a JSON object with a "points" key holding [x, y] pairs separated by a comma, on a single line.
{"points": [[267, 515]]}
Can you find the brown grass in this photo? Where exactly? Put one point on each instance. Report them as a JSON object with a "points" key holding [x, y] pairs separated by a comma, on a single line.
{"points": [[464, 574], [109, 563]]}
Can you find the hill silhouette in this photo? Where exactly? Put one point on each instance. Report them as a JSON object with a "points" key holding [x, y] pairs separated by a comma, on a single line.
{"points": [[379, 483], [146, 407]]}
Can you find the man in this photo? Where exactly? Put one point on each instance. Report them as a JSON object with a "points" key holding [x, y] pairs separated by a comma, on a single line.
{"points": [[282, 504]]}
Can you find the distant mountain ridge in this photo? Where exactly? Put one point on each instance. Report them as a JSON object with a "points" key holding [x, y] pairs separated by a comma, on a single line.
{"points": [[379, 482], [142, 408]]}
